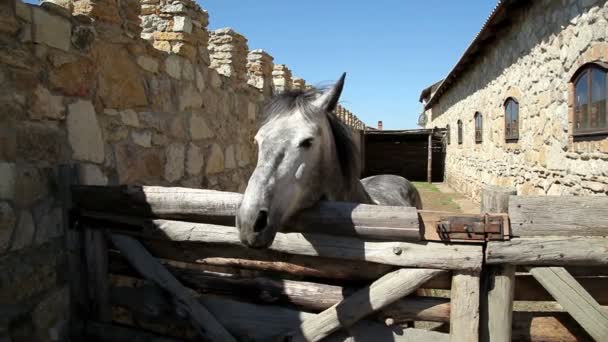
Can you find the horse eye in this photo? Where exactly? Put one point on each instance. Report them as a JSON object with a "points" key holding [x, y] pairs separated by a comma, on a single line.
{"points": [[306, 143]]}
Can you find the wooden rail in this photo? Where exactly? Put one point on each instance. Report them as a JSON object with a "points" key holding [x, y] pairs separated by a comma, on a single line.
{"points": [[343, 270]]}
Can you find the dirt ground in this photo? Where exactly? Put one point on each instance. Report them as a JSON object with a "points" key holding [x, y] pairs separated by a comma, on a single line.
{"points": [[439, 196]]}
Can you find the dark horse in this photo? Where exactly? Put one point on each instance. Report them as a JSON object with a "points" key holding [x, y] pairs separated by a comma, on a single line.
{"points": [[306, 154]]}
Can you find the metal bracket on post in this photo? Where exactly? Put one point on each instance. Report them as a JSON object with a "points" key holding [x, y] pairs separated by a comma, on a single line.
{"points": [[483, 228]]}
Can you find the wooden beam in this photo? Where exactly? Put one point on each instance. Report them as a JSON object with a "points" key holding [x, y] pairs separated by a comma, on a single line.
{"points": [[559, 215], [379, 294], [75, 268], [498, 310], [104, 332], [264, 261], [429, 165], [205, 324], [549, 250], [464, 307], [217, 207], [572, 297], [405, 254], [498, 281], [259, 322], [309, 296], [96, 253]]}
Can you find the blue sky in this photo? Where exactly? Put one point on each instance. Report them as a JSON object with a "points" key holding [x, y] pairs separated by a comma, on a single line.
{"points": [[391, 49]]}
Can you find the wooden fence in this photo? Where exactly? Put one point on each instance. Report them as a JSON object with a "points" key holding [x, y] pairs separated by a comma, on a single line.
{"points": [[166, 264]]}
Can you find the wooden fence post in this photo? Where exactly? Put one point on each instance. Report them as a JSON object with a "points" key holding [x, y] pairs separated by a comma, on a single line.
{"points": [[464, 307], [498, 282], [96, 254], [79, 303]]}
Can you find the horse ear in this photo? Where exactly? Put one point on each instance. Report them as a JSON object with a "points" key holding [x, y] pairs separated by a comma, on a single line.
{"points": [[329, 99]]}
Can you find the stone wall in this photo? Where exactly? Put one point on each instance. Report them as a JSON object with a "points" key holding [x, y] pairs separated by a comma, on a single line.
{"points": [[132, 93], [533, 61]]}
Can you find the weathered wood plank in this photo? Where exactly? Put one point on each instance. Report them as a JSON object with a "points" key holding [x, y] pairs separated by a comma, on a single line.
{"points": [[406, 254], [268, 261], [498, 281], [549, 250], [204, 322], [217, 207], [378, 295], [572, 297], [104, 332], [79, 299], [309, 296], [528, 288], [495, 199], [464, 307], [260, 322], [497, 326], [559, 215], [96, 254]]}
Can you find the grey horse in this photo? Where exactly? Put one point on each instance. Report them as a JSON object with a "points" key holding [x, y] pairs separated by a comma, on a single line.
{"points": [[306, 154]]}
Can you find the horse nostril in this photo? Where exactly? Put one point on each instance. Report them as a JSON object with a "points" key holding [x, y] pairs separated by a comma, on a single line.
{"points": [[261, 222]]}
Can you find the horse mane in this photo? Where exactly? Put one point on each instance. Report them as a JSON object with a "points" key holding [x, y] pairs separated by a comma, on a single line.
{"points": [[349, 158]]}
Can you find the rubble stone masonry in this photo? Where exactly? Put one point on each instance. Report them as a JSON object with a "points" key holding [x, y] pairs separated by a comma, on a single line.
{"points": [[533, 61], [131, 92]]}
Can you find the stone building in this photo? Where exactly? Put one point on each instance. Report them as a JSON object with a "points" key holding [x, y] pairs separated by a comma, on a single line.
{"points": [[127, 92], [525, 106]]}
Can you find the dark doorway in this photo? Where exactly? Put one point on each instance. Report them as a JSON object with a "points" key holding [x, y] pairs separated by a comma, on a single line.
{"points": [[405, 153]]}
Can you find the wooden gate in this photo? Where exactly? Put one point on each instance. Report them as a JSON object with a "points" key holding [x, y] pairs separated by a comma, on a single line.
{"points": [[166, 263]]}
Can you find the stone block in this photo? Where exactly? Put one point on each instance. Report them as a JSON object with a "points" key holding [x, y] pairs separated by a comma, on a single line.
{"points": [[50, 222], [47, 106], [174, 167], [74, 78], [178, 127], [84, 133], [51, 30], [120, 85], [195, 160], [137, 165], [29, 272], [229, 158], [24, 235], [32, 185], [182, 24], [8, 173], [148, 63], [91, 174], [190, 98], [50, 317], [184, 49], [188, 71], [129, 117], [199, 128], [142, 138], [173, 66], [40, 141], [215, 161], [7, 225]]}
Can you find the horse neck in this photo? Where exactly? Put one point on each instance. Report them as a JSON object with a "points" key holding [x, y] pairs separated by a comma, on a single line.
{"points": [[340, 188]]}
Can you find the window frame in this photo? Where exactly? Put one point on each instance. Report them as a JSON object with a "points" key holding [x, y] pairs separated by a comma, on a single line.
{"points": [[460, 129], [448, 135], [478, 127], [586, 70], [511, 137]]}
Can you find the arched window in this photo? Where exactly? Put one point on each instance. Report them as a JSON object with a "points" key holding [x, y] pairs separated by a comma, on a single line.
{"points": [[459, 132], [590, 114], [511, 119], [478, 127], [448, 134]]}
